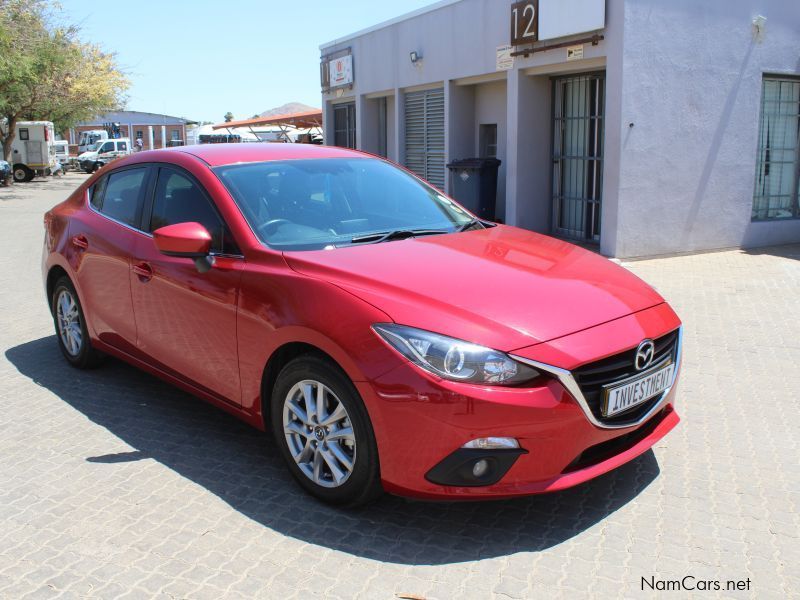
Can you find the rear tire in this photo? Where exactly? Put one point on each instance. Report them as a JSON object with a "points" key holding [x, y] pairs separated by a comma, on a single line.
{"points": [[23, 174], [70, 325], [328, 443]]}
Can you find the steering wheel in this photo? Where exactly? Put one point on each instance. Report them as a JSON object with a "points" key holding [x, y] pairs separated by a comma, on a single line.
{"points": [[271, 225]]}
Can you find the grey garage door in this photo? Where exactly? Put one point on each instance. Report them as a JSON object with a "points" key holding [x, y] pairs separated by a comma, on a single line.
{"points": [[425, 135]]}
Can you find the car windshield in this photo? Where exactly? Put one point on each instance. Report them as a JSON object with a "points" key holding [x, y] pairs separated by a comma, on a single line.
{"points": [[91, 147], [317, 203]]}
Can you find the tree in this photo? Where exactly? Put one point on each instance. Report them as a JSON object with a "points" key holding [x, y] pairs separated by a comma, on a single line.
{"points": [[47, 73], [228, 117]]}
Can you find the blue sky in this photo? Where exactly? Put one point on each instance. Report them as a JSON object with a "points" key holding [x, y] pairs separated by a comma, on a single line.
{"points": [[201, 59]]}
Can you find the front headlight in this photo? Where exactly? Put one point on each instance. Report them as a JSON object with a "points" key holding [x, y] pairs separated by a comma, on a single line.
{"points": [[454, 359]]}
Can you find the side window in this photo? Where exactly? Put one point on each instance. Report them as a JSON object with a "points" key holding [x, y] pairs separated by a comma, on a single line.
{"points": [[122, 199], [96, 193], [122, 146], [179, 200]]}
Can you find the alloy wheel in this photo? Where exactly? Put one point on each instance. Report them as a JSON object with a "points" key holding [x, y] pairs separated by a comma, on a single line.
{"points": [[319, 433], [69, 322]]}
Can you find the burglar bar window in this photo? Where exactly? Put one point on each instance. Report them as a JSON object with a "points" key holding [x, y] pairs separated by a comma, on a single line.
{"points": [[344, 125], [778, 161]]}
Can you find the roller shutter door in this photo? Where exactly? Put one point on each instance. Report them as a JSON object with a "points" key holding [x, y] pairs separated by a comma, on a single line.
{"points": [[425, 135]]}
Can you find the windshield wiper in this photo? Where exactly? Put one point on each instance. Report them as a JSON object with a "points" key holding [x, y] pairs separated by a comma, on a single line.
{"points": [[471, 224], [396, 234]]}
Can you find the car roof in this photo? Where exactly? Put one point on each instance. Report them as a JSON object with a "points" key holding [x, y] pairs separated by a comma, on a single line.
{"points": [[216, 155]]}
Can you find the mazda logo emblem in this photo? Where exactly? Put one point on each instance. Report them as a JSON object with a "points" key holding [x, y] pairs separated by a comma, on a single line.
{"points": [[644, 355]]}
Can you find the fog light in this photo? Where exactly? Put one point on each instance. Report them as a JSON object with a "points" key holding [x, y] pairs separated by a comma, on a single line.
{"points": [[479, 468], [492, 443]]}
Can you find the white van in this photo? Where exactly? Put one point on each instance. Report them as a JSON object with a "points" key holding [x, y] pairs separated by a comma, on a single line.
{"points": [[103, 152], [33, 150]]}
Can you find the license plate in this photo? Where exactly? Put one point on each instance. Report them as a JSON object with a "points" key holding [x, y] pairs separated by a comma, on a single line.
{"points": [[633, 392]]}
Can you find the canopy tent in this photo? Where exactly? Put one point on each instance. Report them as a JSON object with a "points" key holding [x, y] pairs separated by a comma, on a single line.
{"points": [[310, 120]]}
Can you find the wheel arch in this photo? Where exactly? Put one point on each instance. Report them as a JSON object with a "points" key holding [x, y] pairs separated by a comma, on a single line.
{"points": [[53, 275], [279, 358]]}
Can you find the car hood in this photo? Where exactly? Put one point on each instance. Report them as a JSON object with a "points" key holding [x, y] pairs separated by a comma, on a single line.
{"points": [[87, 155], [501, 287]]}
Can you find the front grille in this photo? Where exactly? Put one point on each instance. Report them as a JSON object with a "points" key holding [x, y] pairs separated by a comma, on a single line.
{"points": [[592, 377], [604, 450]]}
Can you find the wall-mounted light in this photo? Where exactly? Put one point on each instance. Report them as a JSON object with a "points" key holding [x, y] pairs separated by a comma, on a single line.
{"points": [[759, 26], [415, 57]]}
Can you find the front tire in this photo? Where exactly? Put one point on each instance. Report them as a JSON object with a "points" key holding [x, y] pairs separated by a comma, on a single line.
{"points": [[70, 324], [324, 433]]}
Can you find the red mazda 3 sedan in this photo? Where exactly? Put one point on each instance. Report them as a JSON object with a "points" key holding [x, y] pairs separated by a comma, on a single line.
{"points": [[388, 338]]}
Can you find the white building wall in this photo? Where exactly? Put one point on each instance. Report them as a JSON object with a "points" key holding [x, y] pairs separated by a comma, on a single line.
{"points": [[686, 74], [391, 133], [691, 90], [458, 43]]}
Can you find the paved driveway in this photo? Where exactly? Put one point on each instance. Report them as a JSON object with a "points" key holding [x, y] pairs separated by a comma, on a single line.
{"points": [[113, 483]]}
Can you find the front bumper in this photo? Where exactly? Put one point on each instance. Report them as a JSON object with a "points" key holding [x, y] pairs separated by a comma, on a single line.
{"points": [[420, 421]]}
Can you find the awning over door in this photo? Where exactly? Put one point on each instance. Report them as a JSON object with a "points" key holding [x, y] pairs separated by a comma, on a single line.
{"points": [[300, 120]]}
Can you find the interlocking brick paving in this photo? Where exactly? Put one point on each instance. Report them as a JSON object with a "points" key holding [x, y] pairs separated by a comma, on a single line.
{"points": [[114, 484]]}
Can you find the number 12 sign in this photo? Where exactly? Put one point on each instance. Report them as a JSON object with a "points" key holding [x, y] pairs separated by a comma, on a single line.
{"points": [[524, 22]]}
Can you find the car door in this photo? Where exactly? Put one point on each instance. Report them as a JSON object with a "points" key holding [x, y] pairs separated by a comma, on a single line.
{"points": [[186, 320], [105, 150], [102, 240], [120, 149]]}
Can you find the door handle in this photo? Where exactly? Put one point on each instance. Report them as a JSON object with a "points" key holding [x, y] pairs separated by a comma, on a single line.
{"points": [[144, 271], [80, 241]]}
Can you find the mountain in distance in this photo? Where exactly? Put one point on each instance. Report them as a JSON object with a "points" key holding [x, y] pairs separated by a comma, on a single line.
{"points": [[288, 108]]}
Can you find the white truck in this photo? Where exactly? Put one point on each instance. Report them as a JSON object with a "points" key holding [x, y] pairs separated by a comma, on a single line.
{"points": [[33, 150], [89, 138], [103, 152]]}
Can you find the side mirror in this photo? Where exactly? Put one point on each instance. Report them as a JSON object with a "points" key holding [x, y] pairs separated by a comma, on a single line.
{"points": [[189, 240]]}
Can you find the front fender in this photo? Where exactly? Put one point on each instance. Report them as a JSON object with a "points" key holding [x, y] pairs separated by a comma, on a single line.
{"points": [[278, 306]]}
